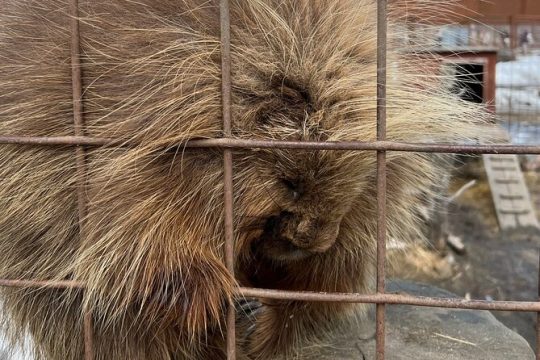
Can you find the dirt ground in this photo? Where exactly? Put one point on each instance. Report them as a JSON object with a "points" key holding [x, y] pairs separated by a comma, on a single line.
{"points": [[495, 265]]}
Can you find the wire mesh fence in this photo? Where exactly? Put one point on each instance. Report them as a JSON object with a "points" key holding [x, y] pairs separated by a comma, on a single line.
{"points": [[381, 146]]}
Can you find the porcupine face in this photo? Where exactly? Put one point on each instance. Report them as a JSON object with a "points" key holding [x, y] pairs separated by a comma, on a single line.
{"points": [[311, 200], [295, 77], [299, 198]]}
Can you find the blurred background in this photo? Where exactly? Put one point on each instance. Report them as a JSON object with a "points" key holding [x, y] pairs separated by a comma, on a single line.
{"points": [[509, 30], [483, 233]]}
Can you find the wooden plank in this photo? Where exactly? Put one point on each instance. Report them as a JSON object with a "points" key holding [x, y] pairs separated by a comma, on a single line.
{"points": [[509, 191]]}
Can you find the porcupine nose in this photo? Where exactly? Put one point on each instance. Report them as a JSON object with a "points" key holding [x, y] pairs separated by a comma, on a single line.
{"points": [[305, 232], [308, 232]]}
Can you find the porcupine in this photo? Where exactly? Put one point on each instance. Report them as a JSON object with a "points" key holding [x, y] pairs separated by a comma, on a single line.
{"points": [[153, 252]]}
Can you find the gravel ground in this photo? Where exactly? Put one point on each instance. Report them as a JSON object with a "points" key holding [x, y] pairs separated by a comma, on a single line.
{"points": [[496, 265]]}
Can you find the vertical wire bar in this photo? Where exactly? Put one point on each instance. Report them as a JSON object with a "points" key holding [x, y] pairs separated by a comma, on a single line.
{"points": [[88, 337], [227, 163], [538, 315], [77, 111], [76, 80], [381, 172]]}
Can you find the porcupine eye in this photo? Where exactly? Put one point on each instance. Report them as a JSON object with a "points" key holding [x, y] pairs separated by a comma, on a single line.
{"points": [[293, 188]]}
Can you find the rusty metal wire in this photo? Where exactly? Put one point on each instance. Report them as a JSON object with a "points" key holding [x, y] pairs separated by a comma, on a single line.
{"points": [[393, 298], [227, 165], [78, 121], [538, 316], [381, 176], [385, 298], [227, 143], [233, 143], [41, 284]]}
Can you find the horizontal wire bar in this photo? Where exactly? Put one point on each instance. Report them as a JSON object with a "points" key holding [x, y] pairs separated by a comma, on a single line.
{"points": [[284, 144], [392, 298], [41, 284], [58, 140], [387, 298]]}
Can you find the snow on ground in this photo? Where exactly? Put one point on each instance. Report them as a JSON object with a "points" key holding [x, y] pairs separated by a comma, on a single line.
{"points": [[520, 101], [518, 85], [524, 71], [518, 98], [523, 134]]}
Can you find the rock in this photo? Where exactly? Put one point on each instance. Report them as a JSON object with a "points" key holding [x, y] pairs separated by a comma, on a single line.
{"points": [[420, 333]]}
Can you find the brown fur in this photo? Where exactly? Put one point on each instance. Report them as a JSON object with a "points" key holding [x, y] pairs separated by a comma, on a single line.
{"points": [[153, 256]]}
